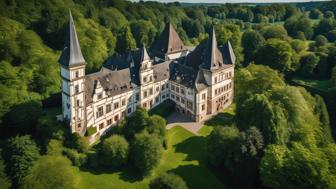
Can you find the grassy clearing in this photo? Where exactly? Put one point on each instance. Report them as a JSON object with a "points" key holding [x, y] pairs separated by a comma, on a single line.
{"points": [[321, 85], [185, 156]]}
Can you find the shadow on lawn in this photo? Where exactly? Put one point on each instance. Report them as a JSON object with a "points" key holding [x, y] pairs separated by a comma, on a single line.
{"points": [[220, 119], [193, 147], [196, 177], [127, 174]]}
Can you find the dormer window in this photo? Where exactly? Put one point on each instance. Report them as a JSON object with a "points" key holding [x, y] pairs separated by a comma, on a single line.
{"points": [[77, 74]]}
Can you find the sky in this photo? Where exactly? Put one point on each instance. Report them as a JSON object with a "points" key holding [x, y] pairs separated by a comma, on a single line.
{"points": [[234, 1]]}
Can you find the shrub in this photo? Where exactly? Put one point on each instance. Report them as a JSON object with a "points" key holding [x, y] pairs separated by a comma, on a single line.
{"points": [[90, 131], [75, 141], [51, 172], [114, 151], [146, 152], [320, 40], [168, 181], [77, 159]]}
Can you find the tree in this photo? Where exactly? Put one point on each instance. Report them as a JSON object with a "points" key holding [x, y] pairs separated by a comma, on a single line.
{"points": [[328, 14], [297, 167], [315, 14], [20, 154], [22, 119], [321, 112], [274, 31], [144, 32], [331, 35], [168, 181], [295, 24], [276, 54], [146, 152], [114, 151], [136, 122], [320, 40], [223, 147], [4, 181], [298, 45], [333, 76], [325, 25], [252, 143], [157, 126], [51, 172], [308, 64], [126, 41], [75, 141], [251, 41]]}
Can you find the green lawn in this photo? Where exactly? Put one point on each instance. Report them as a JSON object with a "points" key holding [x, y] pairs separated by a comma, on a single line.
{"points": [[185, 156], [321, 85]]}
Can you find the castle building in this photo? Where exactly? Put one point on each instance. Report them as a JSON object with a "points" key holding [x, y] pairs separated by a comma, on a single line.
{"points": [[199, 81]]}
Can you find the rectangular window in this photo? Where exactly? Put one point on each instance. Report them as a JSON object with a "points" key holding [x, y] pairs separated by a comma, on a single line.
{"points": [[100, 111], [163, 96], [108, 108], [163, 87], [137, 96], [150, 91], [177, 89], [144, 79], [182, 100], [109, 121], [172, 96], [78, 103], [203, 107], [77, 74], [145, 94], [76, 89], [189, 105], [156, 99], [116, 118], [182, 91], [150, 78], [157, 89], [101, 126], [203, 96], [167, 85], [177, 99], [123, 102], [129, 110], [116, 105], [172, 87]]}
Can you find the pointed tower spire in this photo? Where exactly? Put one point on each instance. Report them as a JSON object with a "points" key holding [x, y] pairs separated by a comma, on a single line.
{"points": [[213, 57], [231, 53], [71, 54], [144, 54]]}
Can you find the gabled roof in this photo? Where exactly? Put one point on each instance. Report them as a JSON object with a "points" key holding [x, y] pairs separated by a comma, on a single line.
{"points": [[71, 53], [168, 42], [212, 56]]}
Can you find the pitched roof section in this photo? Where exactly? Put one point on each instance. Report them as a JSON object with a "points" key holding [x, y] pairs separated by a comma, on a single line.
{"points": [[213, 57], [71, 53], [168, 42]]}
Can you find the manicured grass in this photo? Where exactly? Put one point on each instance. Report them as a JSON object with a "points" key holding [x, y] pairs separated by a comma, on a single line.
{"points": [[322, 85], [185, 156]]}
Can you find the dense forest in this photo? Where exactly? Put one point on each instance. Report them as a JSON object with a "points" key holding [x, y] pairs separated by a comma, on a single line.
{"points": [[285, 90]]}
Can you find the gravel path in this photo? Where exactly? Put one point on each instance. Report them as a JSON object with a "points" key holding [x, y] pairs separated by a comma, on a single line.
{"points": [[182, 120]]}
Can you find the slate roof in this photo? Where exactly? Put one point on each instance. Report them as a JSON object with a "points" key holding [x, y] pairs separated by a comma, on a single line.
{"points": [[113, 82], [209, 56], [71, 53], [168, 42]]}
